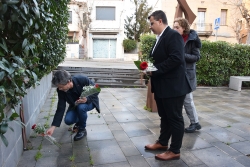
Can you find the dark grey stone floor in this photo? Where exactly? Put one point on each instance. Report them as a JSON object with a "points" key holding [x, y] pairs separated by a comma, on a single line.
{"points": [[117, 136]]}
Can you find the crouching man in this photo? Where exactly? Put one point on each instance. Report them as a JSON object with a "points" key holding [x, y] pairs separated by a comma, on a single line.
{"points": [[69, 90]]}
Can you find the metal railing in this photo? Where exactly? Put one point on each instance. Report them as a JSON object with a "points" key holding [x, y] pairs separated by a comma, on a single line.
{"points": [[203, 28]]}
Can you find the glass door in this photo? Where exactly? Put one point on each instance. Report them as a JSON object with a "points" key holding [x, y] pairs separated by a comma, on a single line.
{"points": [[201, 21]]}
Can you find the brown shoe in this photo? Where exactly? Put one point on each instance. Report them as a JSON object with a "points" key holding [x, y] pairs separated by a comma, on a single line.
{"points": [[169, 155], [156, 146]]}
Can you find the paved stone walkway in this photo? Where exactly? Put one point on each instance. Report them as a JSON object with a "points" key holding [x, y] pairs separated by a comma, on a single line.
{"points": [[117, 136]]}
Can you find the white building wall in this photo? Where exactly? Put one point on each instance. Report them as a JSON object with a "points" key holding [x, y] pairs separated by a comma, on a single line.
{"points": [[74, 26], [72, 51], [107, 29]]}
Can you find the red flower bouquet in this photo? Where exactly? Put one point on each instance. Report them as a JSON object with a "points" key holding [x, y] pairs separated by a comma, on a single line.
{"points": [[145, 66], [89, 90]]}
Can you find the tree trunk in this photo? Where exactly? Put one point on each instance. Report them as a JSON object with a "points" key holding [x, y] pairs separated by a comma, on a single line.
{"points": [[248, 38]]}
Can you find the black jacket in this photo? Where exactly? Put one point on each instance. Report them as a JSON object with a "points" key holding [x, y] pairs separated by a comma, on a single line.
{"points": [[192, 55], [79, 81], [170, 80]]}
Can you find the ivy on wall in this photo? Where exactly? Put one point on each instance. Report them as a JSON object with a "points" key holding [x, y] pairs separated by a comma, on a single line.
{"points": [[33, 34]]}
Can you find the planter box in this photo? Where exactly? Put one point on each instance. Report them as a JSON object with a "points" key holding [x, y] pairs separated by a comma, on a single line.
{"points": [[130, 56]]}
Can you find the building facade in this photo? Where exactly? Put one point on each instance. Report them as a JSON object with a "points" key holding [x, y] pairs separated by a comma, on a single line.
{"points": [[78, 25], [206, 11], [98, 27]]}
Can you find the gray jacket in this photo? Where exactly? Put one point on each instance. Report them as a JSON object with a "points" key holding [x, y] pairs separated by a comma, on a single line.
{"points": [[192, 55]]}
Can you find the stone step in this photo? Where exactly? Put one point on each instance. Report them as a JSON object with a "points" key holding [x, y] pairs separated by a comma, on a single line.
{"points": [[109, 77], [96, 69]]}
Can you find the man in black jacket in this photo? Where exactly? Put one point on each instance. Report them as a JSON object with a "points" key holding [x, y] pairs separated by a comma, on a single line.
{"points": [[169, 85], [69, 90]]}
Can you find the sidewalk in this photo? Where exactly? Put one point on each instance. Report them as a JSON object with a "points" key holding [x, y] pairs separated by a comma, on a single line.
{"points": [[117, 136]]}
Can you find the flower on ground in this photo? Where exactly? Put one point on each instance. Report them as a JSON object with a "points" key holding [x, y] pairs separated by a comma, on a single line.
{"points": [[34, 126], [41, 131]]}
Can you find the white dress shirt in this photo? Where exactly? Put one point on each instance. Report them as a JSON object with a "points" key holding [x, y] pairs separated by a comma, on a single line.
{"points": [[157, 38]]}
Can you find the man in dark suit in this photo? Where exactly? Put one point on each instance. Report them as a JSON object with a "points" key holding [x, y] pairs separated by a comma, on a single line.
{"points": [[169, 85]]}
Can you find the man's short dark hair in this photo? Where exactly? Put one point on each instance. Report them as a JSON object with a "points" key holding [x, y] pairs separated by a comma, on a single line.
{"points": [[159, 14], [61, 77]]}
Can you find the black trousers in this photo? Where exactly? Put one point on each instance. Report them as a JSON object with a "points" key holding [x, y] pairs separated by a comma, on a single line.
{"points": [[172, 123]]}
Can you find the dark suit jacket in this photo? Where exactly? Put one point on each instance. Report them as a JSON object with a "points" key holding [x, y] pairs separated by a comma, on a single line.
{"points": [[170, 80]]}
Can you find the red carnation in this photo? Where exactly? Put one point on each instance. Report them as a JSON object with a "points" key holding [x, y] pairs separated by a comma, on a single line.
{"points": [[96, 85], [143, 65], [34, 126]]}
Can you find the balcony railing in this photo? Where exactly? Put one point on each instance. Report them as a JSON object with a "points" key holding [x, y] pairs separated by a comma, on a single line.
{"points": [[203, 28]]}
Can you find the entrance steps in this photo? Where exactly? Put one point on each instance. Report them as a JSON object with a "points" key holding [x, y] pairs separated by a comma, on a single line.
{"points": [[109, 77]]}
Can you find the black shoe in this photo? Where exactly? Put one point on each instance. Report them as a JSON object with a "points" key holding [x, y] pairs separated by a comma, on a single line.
{"points": [[193, 127], [80, 134]]}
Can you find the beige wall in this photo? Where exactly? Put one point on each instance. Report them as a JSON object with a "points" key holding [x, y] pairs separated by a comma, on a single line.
{"points": [[213, 11], [78, 8]]}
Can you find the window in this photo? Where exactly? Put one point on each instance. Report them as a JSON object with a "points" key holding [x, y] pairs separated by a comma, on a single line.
{"points": [[105, 13], [223, 17], [70, 17], [201, 19]]}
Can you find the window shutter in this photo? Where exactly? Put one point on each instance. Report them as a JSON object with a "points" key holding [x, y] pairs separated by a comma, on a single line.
{"points": [[223, 17]]}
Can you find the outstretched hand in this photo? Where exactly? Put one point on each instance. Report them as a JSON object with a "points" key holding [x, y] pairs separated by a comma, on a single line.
{"points": [[50, 131]]}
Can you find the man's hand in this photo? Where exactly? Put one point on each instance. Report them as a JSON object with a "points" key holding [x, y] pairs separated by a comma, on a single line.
{"points": [[82, 100], [149, 73], [50, 131]]}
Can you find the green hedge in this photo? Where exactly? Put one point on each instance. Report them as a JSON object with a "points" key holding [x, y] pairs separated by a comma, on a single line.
{"points": [[220, 60], [129, 45], [147, 41], [32, 44]]}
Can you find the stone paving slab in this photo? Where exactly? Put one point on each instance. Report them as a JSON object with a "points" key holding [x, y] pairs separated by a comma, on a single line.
{"points": [[190, 159], [215, 157], [116, 137], [106, 151]]}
